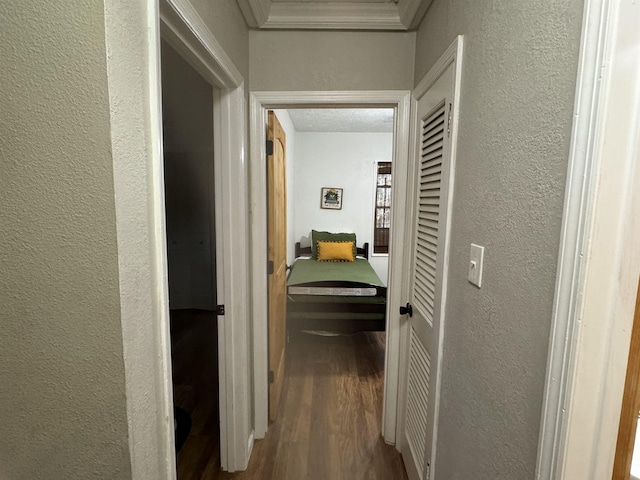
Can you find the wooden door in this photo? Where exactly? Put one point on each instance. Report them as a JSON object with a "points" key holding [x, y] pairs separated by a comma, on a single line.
{"points": [[630, 404], [277, 258], [432, 179]]}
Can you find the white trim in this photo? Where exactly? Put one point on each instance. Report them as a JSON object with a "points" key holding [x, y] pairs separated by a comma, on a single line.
{"points": [[233, 328], [182, 27], [370, 16], [260, 102], [412, 11], [185, 30], [599, 260], [255, 12], [405, 15], [136, 138]]}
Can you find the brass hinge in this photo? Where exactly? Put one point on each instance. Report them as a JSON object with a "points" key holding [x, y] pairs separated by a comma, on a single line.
{"points": [[272, 377], [449, 123]]}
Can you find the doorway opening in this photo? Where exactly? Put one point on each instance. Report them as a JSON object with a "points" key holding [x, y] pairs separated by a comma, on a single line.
{"points": [[398, 102], [190, 225], [335, 349]]}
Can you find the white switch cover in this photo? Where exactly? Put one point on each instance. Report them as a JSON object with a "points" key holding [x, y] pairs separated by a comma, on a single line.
{"points": [[475, 264]]}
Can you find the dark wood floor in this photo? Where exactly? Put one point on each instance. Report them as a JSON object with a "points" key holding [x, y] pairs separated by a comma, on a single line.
{"points": [[328, 425], [194, 343]]}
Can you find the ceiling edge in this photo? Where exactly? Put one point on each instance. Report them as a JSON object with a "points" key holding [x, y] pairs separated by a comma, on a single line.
{"points": [[382, 16], [256, 12]]}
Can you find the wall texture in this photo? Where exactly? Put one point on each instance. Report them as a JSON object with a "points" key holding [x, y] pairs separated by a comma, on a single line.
{"points": [[342, 160], [518, 82], [330, 60], [227, 24], [62, 405]]}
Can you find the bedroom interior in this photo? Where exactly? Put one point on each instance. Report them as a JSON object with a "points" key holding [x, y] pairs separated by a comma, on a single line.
{"points": [[336, 339]]}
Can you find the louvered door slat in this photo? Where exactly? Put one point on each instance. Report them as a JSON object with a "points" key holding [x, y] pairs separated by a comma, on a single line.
{"points": [[430, 196], [417, 396], [428, 211]]}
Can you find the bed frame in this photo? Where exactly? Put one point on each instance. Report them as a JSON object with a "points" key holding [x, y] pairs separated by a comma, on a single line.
{"points": [[336, 317]]}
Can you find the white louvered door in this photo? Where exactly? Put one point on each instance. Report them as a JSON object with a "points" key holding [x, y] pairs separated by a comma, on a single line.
{"points": [[430, 251]]}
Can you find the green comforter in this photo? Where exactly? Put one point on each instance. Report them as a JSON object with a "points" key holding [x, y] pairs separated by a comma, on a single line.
{"points": [[310, 271]]}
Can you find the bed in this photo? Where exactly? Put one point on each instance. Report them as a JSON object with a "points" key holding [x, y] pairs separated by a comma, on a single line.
{"points": [[344, 297]]}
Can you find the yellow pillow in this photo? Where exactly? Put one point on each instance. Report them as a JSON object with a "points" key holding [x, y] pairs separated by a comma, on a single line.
{"points": [[336, 252]]}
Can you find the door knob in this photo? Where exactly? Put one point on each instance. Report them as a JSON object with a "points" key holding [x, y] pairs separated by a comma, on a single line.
{"points": [[407, 310]]}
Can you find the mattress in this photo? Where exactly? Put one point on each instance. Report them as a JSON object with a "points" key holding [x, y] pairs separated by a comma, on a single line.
{"points": [[352, 279]]}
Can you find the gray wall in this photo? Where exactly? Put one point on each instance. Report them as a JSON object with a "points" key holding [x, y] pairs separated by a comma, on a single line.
{"points": [[225, 20], [328, 60], [62, 400], [515, 118]]}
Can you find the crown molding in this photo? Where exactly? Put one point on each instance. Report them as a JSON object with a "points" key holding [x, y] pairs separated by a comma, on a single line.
{"points": [[267, 14], [256, 12], [412, 11]]}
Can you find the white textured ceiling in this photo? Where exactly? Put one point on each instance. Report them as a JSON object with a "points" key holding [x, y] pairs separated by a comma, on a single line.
{"points": [[369, 120]]}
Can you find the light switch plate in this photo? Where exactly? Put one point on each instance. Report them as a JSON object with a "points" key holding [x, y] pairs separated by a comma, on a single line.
{"points": [[476, 259]]}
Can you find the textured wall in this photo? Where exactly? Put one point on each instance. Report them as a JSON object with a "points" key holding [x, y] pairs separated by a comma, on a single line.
{"points": [[62, 391], [225, 20], [515, 117], [321, 60]]}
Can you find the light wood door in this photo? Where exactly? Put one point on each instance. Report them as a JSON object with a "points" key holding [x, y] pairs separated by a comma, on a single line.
{"points": [[630, 404], [432, 179], [277, 257]]}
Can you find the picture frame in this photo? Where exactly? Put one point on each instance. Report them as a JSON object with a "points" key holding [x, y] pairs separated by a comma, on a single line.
{"points": [[331, 198]]}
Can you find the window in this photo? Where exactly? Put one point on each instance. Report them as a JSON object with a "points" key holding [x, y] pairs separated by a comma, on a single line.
{"points": [[383, 208]]}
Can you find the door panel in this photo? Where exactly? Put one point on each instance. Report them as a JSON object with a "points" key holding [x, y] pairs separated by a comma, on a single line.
{"points": [[431, 177], [277, 253]]}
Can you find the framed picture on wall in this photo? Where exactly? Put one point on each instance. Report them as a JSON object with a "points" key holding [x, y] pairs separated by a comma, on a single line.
{"points": [[331, 198]]}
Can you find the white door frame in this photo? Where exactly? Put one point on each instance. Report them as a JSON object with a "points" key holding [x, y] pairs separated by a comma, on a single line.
{"points": [[599, 260], [260, 103], [133, 31], [183, 29]]}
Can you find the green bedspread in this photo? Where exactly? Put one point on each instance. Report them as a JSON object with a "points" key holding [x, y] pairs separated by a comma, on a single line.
{"points": [[306, 271]]}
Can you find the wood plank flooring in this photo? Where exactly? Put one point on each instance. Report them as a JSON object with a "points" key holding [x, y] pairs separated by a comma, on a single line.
{"points": [[328, 425], [194, 355]]}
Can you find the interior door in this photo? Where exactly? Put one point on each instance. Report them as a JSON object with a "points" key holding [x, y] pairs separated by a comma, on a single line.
{"points": [[627, 430], [432, 179], [277, 258]]}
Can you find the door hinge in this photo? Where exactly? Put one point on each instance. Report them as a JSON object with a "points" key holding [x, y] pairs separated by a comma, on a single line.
{"points": [[219, 309], [270, 267], [269, 147], [449, 122], [272, 377], [427, 471]]}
